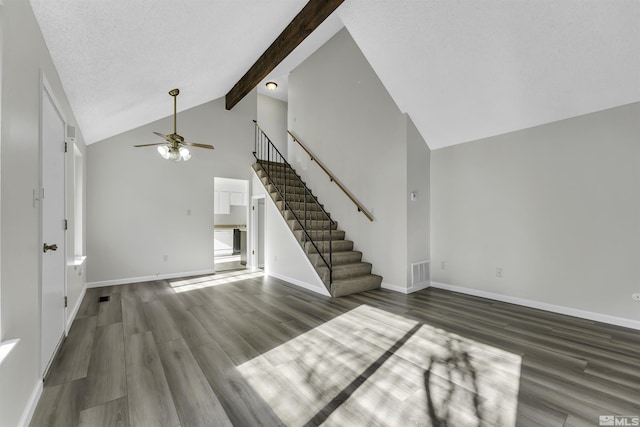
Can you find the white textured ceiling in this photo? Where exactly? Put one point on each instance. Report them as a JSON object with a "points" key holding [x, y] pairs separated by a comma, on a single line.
{"points": [[462, 70], [470, 69], [117, 59]]}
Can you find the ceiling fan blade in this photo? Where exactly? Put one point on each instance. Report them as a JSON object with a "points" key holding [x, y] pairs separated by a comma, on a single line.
{"points": [[195, 144], [148, 145], [163, 136]]}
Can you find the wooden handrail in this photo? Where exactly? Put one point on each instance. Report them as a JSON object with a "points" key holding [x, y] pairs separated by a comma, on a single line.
{"points": [[332, 178]]}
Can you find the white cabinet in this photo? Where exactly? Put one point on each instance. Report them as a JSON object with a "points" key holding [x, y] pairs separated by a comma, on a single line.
{"points": [[221, 203], [223, 242], [237, 199]]}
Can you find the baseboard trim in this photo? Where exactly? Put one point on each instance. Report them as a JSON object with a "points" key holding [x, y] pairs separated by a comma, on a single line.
{"points": [[128, 280], [25, 419], [74, 312], [583, 314], [405, 290], [322, 291]]}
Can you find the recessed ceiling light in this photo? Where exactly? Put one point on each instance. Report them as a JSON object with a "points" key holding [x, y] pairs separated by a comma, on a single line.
{"points": [[272, 86]]}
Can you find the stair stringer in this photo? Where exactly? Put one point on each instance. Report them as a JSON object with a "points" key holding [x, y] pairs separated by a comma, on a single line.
{"points": [[296, 268]]}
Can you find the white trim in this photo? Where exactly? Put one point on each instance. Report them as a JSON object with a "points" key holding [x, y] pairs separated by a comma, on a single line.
{"points": [[128, 280], [46, 90], [316, 289], [30, 408], [75, 309], [583, 314], [405, 290]]}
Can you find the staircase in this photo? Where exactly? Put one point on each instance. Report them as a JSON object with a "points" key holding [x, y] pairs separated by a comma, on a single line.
{"points": [[339, 267]]}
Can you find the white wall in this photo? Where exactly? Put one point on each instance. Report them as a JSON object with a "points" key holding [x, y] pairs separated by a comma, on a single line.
{"points": [[340, 110], [142, 208], [272, 118], [24, 56], [556, 206], [418, 166]]}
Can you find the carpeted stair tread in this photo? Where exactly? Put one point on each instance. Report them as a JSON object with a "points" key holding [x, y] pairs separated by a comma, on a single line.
{"points": [[337, 258], [323, 246], [299, 206], [342, 287], [320, 235], [344, 271], [300, 214], [311, 224]]}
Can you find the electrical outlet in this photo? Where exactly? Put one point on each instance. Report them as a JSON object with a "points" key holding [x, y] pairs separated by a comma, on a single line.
{"points": [[498, 271], [443, 265], [166, 258], [636, 297]]}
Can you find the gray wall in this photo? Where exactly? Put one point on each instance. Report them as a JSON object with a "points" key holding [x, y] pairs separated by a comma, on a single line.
{"points": [[24, 56], [142, 208], [339, 108], [272, 118], [556, 206], [418, 167]]}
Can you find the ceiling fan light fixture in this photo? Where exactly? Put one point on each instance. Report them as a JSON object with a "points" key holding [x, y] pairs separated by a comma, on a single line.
{"points": [[172, 148], [184, 153], [272, 86], [164, 151]]}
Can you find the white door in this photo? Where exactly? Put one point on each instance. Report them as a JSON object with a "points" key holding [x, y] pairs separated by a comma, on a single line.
{"points": [[257, 231], [261, 229], [53, 238]]}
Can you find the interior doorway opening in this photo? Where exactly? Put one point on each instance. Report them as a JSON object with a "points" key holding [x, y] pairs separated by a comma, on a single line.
{"points": [[230, 217], [258, 231]]}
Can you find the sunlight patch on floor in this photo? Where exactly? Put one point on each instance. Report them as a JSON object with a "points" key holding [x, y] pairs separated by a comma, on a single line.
{"points": [[371, 367], [185, 285]]}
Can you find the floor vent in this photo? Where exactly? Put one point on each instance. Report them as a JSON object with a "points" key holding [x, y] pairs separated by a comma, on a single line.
{"points": [[419, 273], [104, 299]]}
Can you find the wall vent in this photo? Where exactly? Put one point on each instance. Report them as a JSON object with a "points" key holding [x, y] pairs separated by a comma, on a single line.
{"points": [[419, 273]]}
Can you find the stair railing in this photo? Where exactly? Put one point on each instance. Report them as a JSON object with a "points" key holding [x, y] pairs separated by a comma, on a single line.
{"points": [[333, 178], [295, 193]]}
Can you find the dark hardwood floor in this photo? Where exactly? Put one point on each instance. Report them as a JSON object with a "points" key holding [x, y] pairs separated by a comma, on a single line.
{"points": [[240, 349]]}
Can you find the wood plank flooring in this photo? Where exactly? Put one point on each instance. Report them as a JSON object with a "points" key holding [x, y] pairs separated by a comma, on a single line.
{"points": [[237, 348]]}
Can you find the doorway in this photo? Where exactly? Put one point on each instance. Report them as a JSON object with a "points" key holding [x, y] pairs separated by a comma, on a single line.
{"points": [[258, 227], [52, 204], [230, 205]]}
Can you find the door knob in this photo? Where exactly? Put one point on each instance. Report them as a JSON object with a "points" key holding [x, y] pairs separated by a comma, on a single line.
{"points": [[46, 247]]}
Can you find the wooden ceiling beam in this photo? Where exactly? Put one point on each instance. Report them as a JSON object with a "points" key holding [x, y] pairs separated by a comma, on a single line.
{"points": [[305, 22]]}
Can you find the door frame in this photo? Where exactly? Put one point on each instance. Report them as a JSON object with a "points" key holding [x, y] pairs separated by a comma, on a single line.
{"points": [[255, 229], [46, 87]]}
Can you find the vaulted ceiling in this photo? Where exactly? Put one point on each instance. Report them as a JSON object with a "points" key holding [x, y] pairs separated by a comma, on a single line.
{"points": [[462, 70]]}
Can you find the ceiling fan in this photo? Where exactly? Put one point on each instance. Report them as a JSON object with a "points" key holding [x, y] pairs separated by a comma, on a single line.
{"points": [[173, 148]]}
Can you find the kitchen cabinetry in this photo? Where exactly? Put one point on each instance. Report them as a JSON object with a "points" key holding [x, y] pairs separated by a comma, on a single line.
{"points": [[223, 242], [222, 202]]}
